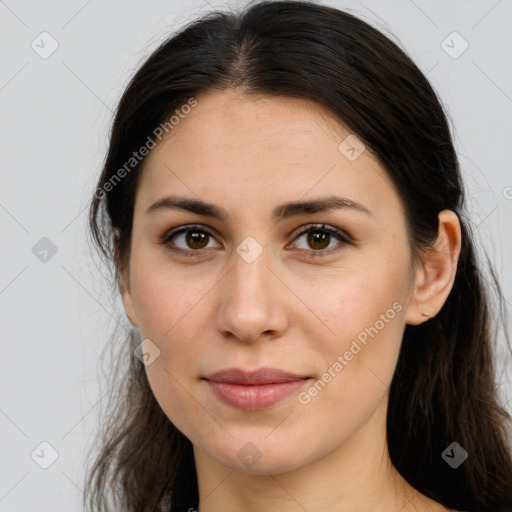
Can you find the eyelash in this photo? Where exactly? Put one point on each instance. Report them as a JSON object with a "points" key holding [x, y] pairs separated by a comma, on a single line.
{"points": [[336, 233]]}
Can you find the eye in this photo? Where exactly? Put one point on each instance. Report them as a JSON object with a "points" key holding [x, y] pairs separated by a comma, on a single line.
{"points": [[195, 238], [319, 238]]}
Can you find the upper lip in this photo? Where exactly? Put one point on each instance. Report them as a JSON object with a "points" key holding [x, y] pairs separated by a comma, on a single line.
{"points": [[260, 376]]}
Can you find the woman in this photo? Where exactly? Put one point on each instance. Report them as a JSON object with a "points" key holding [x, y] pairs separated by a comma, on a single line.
{"points": [[284, 207]]}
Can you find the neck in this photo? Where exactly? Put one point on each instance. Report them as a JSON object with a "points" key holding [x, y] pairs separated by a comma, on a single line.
{"points": [[357, 476]]}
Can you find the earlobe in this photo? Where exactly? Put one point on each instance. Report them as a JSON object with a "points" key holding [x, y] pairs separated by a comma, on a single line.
{"points": [[123, 280], [420, 306], [436, 276], [127, 299]]}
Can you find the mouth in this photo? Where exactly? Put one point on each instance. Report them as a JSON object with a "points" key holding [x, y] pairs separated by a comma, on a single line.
{"points": [[254, 390]]}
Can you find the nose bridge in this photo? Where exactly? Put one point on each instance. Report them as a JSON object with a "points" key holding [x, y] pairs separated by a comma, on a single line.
{"points": [[249, 303], [250, 276]]}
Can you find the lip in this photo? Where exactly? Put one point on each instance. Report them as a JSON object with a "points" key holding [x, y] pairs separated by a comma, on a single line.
{"points": [[265, 375], [254, 390]]}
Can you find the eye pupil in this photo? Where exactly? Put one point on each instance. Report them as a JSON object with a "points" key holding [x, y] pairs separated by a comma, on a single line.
{"points": [[315, 237]]}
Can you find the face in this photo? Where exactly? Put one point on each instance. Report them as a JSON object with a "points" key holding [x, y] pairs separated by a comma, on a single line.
{"points": [[319, 294]]}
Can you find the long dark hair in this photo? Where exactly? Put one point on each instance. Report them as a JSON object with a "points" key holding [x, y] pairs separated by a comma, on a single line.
{"points": [[444, 387]]}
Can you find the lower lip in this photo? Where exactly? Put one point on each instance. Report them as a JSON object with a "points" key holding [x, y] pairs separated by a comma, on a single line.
{"points": [[253, 398]]}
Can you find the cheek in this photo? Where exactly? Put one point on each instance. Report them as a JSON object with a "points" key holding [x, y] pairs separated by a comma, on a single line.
{"points": [[357, 362], [170, 315], [365, 314], [167, 300]]}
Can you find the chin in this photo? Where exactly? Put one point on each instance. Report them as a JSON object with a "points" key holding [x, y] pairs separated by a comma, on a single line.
{"points": [[261, 457]]}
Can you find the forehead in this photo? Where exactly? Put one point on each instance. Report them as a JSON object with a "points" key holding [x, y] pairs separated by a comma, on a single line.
{"points": [[222, 120], [232, 148]]}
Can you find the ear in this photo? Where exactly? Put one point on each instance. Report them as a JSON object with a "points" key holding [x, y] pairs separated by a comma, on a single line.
{"points": [[124, 282], [434, 279]]}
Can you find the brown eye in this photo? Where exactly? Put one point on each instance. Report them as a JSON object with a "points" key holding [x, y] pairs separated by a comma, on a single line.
{"points": [[192, 240], [188, 240], [319, 238], [196, 239]]}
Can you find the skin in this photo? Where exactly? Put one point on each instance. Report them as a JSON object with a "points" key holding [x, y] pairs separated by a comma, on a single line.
{"points": [[248, 154]]}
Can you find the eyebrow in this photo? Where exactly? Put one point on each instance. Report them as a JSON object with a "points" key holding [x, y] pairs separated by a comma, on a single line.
{"points": [[280, 212]]}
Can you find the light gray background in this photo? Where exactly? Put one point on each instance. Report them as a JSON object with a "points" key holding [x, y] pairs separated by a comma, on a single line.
{"points": [[55, 115]]}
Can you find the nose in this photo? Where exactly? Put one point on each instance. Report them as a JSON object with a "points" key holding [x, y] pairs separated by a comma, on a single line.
{"points": [[252, 300]]}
